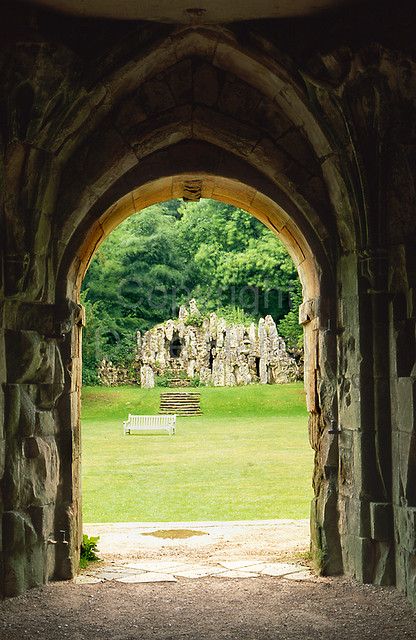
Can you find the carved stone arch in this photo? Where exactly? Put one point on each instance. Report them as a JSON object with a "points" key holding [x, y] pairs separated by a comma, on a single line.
{"points": [[285, 104], [166, 173], [98, 173]]}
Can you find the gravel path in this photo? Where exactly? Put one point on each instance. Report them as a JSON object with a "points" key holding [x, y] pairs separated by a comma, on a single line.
{"points": [[291, 606]]}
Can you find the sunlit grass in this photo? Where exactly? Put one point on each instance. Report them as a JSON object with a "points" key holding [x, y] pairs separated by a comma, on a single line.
{"points": [[246, 457]]}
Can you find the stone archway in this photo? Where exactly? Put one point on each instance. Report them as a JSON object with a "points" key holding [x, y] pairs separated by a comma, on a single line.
{"points": [[317, 312], [202, 108]]}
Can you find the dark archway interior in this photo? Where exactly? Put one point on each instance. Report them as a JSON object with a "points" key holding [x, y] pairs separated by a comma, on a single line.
{"points": [[308, 124], [175, 346]]}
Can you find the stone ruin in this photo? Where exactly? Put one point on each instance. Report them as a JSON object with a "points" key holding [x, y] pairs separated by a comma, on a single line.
{"points": [[309, 125], [217, 352]]}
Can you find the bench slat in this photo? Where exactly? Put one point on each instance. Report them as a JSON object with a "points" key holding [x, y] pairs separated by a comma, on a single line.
{"points": [[150, 423]]}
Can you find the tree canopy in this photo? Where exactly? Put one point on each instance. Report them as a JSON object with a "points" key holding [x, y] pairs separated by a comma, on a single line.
{"points": [[169, 253]]}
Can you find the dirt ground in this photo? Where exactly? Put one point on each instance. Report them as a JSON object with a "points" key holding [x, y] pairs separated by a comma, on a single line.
{"points": [[209, 608]]}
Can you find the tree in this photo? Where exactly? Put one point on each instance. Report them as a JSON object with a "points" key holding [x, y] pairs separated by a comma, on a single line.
{"points": [[171, 252]]}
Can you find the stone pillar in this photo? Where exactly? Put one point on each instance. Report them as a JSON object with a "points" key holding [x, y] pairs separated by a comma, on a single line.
{"points": [[403, 402], [3, 378], [37, 448], [321, 399], [364, 420]]}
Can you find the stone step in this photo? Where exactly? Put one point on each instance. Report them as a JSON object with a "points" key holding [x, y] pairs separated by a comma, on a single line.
{"points": [[182, 413], [171, 394], [179, 406], [175, 408], [181, 400], [181, 403]]}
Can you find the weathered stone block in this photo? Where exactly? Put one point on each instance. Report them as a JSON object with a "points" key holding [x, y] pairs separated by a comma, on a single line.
{"points": [[381, 516], [206, 84], [349, 407], [48, 320], [3, 370], [179, 79], [211, 125], [128, 115], [237, 98], [48, 394], [40, 472], [307, 311], [27, 414], [2, 459], [399, 304], [401, 566], [30, 358], [31, 447], [356, 516], [406, 464], [172, 126], [12, 394], [14, 538], [155, 95], [406, 347], [406, 528], [45, 423], [363, 553], [1, 411], [42, 517], [406, 404], [346, 460]]}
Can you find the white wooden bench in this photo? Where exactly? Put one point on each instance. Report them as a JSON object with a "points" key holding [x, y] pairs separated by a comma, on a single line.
{"points": [[150, 423]]}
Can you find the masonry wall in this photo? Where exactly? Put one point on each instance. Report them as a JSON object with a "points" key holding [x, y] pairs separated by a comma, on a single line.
{"points": [[315, 133]]}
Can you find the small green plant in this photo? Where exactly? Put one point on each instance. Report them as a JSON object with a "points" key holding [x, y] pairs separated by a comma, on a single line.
{"points": [[195, 381], [194, 319], [162, 381], [88, 550]]}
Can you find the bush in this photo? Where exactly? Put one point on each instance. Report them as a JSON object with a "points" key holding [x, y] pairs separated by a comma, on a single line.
{"points": [[236, 315], [88, 550], [194, 320], [162, 381]]}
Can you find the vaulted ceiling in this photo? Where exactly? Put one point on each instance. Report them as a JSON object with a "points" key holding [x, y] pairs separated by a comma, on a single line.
{"points": [[188, 11]]}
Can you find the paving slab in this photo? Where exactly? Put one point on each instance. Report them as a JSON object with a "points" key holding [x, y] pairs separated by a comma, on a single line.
{"points": [[240, 564], [146, 577], [280, 569], [158, 566], [300, 576], [236, 574], [196, 571]]}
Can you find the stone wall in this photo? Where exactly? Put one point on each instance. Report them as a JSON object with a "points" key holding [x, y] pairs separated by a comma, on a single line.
{"points": [[113, 375], [309, 125], [219, 353]]}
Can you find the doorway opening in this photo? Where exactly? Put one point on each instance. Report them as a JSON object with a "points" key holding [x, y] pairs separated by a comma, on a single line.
{"points": [[220, 469]]}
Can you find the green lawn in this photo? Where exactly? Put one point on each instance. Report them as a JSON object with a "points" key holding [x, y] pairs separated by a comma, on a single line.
{"points": [[247, 457]]}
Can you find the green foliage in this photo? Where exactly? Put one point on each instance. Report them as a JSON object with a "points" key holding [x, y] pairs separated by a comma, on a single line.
{"points": [[194, 319], [162, 381], [169, 253], [105, 336], [236, 315], [289, 326], [88, 550]]}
